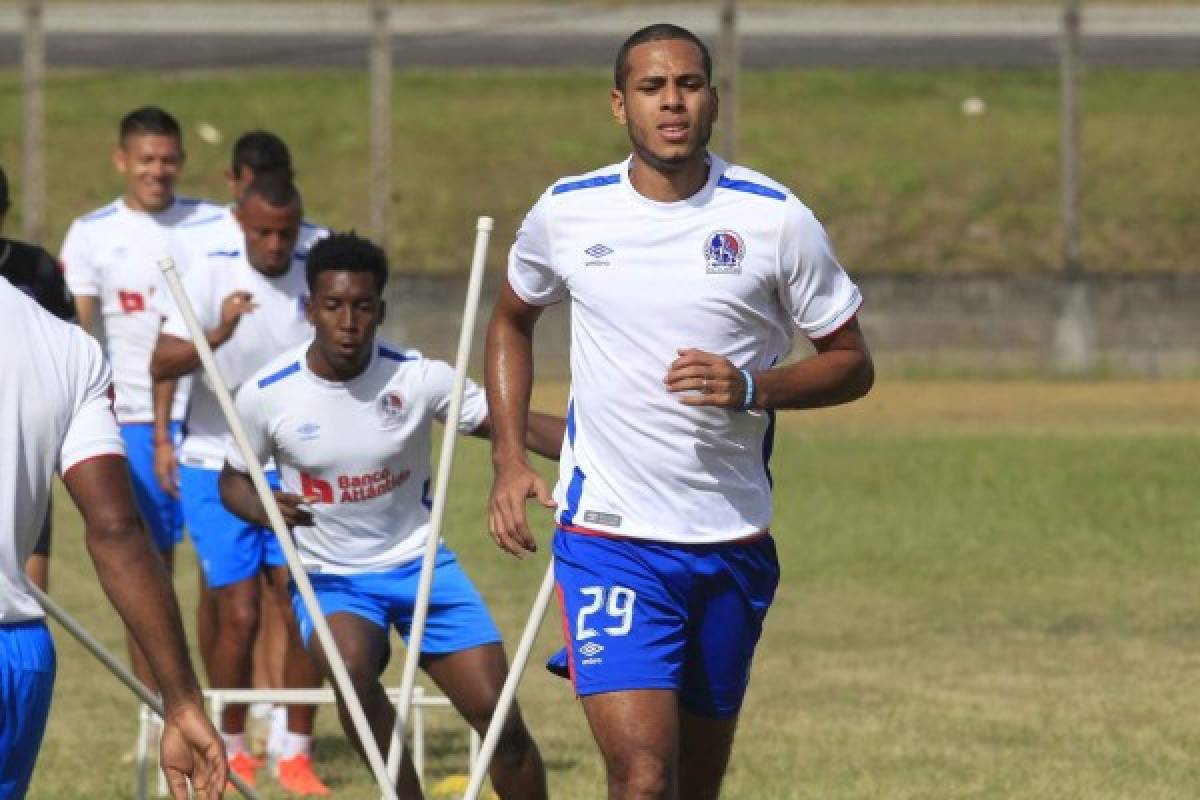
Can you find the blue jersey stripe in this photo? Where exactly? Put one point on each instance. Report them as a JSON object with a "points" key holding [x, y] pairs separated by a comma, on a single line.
{"points": [[571, 422], [750, 187], [768, 446], [385, 352], [193, 223], [574, 493], [224, 253], [586, 183], [275, 377], [101, 213]]}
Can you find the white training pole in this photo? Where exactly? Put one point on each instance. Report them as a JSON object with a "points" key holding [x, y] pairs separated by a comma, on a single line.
{"points": [[483, 231], [116, 668], [341, 676], [479, 768]]}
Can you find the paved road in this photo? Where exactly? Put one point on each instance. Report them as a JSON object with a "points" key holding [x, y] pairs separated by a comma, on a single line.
{"points": [[186, 35]]}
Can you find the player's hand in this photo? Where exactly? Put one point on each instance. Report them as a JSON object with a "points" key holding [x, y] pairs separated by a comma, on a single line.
{"points": [[507, 522], [192, 749], [295, 509], [166, 467], [705, 379], [233, 308]]}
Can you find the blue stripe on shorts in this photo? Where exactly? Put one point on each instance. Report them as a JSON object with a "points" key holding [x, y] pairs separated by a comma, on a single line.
{"points": [[457, 619], [27, 667]]}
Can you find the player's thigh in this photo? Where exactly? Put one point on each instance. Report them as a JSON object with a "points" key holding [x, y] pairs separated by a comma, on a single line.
{"points": [[625, 607], [356, 619], [27, 665], [361, 643], [230, 549], [735, 587], [637, 732], [704, 747], [472, 679]]}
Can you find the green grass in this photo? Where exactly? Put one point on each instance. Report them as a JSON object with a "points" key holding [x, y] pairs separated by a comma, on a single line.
{"points": [[988, 591], [902, 179]]}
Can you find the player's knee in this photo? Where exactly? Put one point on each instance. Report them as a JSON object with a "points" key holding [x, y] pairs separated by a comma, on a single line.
{"points": [[239, 619], [639, 773], [514, 744]]}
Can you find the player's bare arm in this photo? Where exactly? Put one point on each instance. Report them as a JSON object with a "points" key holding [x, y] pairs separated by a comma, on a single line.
{"points": [[543, 433], [85, 307], [166, 467], [134, 578], [509, 380], [841, 371], [240, 497], [174, 357]]}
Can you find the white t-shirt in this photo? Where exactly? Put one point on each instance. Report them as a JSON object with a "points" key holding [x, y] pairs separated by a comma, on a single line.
{"points": [[113, 254], [734, 270], [276, 325], [55, 411], [361, 446]]}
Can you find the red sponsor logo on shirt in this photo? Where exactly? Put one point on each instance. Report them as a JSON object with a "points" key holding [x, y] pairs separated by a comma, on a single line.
{"points": [[353, 488], [131, 302]]}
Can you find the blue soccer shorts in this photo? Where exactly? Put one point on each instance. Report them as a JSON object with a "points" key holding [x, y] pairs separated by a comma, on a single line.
{"points": [[457, 619], [161, 511], [230, 549], [26, 686], [658, 615]]}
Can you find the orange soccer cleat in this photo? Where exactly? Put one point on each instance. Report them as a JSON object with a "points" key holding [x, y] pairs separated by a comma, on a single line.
{"points": [[244, 765], [297, 776]]}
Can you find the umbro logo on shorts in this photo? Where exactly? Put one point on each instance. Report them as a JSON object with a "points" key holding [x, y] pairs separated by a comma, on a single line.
{"points": [[589, 652]]}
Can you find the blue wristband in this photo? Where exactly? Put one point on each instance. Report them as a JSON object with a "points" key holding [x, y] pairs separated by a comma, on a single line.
{"points": [[748, 400]]}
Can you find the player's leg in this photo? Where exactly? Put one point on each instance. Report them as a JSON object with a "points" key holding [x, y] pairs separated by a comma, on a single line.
{"points": [[37, 566], [27, 667], [735, 585], [462, 653], [206, 618], [268, 723], [359, 628], [625, 606]]}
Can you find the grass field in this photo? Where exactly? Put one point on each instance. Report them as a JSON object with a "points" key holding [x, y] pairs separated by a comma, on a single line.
{"points": [[902, 178], [988, 592]]}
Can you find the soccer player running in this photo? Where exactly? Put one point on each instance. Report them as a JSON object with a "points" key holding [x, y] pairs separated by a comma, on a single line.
{"points": [[250, 303], [111, 260], [688, 278], [254, 152], [348, 418], [35, 272], [56, 412]]}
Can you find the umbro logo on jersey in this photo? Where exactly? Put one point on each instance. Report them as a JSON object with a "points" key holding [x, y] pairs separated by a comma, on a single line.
{"points": [[598, 253], [723, 253]]}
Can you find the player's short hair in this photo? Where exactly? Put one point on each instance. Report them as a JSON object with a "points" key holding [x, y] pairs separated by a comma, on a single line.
{"points": [[149, 119], [346, 252], [275, 187], [261, 151], [3, 193], [658, 32]]}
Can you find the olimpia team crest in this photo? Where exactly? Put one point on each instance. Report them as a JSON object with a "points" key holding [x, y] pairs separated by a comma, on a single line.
{"points": [[723, 253]]}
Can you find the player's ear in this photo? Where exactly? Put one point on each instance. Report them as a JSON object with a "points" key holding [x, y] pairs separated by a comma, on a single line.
{"points": [[382, 313], [308, 308], [716, 102], [120, 158], [616, 98]]}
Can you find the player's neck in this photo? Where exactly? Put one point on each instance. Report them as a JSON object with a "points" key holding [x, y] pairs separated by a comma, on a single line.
{"points": [[665, 184], [327, 370]]}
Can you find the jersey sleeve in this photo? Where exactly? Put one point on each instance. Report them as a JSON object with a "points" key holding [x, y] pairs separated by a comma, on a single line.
{"points": [[92, 431], [439, 379], [82, 275], [252, 412], [531, 271], [813, 287]]}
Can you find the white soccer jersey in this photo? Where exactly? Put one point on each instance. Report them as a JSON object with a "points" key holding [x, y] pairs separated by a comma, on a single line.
{"points": [[734, 270], [113, 254], [56, 412], [362, 447], [276, 325]]}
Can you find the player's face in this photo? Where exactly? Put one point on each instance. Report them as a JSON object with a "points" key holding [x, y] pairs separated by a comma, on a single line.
{"points": [[345, 309], [270, 233], [667, 104], [150, 164]]}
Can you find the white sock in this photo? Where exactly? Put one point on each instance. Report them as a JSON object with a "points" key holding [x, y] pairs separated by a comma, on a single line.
{"points": [[295, 744], [234, 743], [278, 730], [261, 711]]}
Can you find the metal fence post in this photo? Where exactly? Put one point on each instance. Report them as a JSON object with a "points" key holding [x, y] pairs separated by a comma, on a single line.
{"points": [[727, 84], [33, 162], [380, 146]]}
